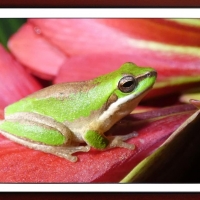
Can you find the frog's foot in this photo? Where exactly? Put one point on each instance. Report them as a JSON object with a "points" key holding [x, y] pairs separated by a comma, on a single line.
{"points": [[118, 141], [63, 152]]}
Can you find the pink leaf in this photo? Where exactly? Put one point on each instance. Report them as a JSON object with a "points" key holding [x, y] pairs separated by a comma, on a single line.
{"points": [[170, 31], [34, 51], [16, 82], [53, 41]]}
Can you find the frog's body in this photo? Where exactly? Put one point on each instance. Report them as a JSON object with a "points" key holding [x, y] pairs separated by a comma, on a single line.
{"points": [[58, 118]]}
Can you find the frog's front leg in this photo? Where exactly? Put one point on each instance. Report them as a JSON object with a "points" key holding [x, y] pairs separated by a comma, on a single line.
{"points": [[41, 133], [100, 141]]}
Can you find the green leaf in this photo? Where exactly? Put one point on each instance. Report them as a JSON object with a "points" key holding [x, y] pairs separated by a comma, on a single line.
{"points": [[8, 27]]}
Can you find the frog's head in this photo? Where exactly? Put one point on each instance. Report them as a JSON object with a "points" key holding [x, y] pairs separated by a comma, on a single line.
{"points": [[130, 84], [132, 81]]}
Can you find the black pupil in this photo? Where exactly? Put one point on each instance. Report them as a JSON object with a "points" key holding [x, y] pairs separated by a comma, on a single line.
{"points": [[128, 84]]}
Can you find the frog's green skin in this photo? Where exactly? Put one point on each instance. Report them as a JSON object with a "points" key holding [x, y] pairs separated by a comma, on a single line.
{"points": [[58, 118]]}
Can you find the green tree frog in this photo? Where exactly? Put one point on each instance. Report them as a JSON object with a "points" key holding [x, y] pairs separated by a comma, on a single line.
{"points": [[72, 117]]}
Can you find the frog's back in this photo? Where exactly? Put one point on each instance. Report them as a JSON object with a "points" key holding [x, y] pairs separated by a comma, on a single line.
{"points": [[65, 101]]}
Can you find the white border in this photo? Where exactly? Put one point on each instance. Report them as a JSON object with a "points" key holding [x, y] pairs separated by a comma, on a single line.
{"points": [[100, 187], [100, 13]]}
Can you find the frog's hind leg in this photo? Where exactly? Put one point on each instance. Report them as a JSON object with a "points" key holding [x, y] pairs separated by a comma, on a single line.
{"points": [[41, 133], [40, 119], [60, 151]]}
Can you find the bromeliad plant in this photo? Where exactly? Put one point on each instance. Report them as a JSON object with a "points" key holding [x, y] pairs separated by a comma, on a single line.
{"points": [[67, 50]]}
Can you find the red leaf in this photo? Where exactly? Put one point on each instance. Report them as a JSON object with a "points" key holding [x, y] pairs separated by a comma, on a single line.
{"points": [[94, 166], [16, 82], [84, 36], [160, 30], [35, 52], [1, 114], [80, 68], [81, 36], [49, 39], [175, 157]]}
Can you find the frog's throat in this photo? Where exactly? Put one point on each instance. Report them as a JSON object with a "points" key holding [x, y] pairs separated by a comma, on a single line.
{"points": [[116, 106]]}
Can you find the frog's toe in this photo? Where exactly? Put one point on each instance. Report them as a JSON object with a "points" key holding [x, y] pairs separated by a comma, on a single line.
{"points": [[128, 136], [67, 152], [83, 148], [67, 156], [127, 145], [117, 141]]}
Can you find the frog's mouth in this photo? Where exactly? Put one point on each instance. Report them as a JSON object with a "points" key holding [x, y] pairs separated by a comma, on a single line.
{"points": [[147, 75]]}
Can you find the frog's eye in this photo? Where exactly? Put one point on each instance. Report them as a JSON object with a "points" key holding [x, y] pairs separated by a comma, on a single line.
{"points": [[127, 84]]}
